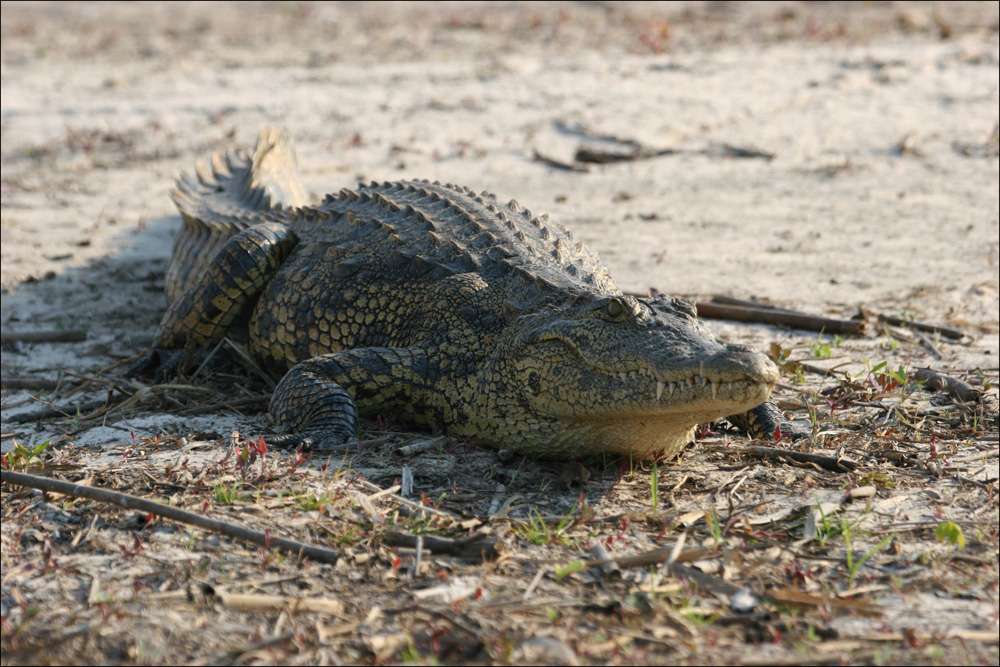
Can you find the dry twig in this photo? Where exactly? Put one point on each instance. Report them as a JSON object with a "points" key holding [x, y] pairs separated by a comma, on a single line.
{"points": [[300, 549], [954, 334], [54, 336], [957, 389], [784, 317], [830, 463]]}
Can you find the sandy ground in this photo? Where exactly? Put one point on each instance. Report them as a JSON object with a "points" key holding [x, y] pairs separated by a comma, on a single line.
{"points": [[879, 188]]}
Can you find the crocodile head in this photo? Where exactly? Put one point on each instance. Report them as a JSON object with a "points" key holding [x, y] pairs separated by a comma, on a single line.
{"points": [[615, 373]]}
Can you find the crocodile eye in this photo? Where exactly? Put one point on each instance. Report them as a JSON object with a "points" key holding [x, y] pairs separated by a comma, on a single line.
{"points": [[615, 308]]}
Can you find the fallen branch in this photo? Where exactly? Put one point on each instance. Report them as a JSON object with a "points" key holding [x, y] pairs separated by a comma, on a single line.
{"points": [[259, 603], [55, 336], [28, 383], [954, 334], [732, 301], [620, 153], [299, 549], [776, 316], [934, 381], [559, 164], [728, 150], [830, 463]]}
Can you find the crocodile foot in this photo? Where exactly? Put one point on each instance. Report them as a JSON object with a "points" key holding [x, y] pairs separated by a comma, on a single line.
{"points": [[162, 364], [319, 437], [767, 422]]}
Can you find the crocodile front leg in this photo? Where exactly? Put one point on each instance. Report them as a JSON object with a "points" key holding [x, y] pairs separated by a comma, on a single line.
{"points": [[202, 315], [319, 399]]}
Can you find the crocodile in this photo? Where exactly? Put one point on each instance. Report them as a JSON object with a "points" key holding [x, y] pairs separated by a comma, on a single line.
{"points": [[444, 307]]}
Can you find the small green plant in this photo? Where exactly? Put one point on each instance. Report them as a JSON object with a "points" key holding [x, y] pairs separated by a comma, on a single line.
{"points": [[805, 645], [570, 568], [949, 531], [779, 355], [412, 656], [826, 530], [311, 502], [22, 458], [877, 479], [699, 619], [714, 526], [853, 567], [537, 530], [820, 349], [890, 342], [225, 494], [349, 536]]}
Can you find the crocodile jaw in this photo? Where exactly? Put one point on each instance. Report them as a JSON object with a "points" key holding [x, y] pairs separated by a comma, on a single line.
{"points": [[646, 417], [569, 384], [663, 430]]}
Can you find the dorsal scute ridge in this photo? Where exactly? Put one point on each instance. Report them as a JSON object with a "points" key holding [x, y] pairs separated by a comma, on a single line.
{"points": [[451, 226]]}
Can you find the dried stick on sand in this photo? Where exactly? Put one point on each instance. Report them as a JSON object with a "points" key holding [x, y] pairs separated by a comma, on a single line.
{"points": [[830, 463], [957, 389], [54, 336], [300, 549], [777, 316], [954, 334]]}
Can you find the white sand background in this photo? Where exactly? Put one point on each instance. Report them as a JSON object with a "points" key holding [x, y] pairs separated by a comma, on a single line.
{"points": [[883, 191], [104, 104]]}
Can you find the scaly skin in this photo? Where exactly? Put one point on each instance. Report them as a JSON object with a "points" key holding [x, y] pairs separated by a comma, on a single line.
{"points": [[444, 307]]}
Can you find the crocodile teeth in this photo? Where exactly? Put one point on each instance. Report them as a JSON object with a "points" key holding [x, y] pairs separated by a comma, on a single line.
{"points": [[715, 389], [659, 389], [672, 387]]}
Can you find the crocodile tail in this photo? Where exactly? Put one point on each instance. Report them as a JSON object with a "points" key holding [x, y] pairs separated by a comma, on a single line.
{"points": [[231, 194]]}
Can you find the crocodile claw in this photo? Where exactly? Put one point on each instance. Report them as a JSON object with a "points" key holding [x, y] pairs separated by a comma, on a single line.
{"points": [[163, 364]]}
